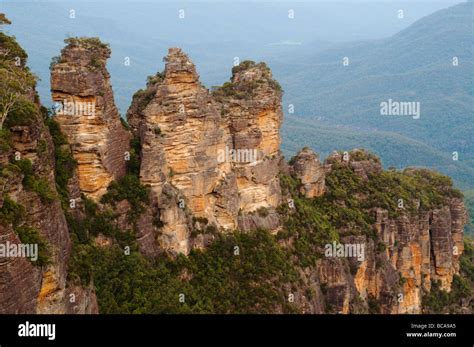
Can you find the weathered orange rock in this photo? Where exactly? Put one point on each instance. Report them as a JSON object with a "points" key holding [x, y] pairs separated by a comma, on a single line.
{"points": [[221, 153], [80, 85]]}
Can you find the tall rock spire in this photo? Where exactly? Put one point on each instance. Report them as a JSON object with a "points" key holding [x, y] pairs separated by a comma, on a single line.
{"points": [[220, 151], [80, 85]]}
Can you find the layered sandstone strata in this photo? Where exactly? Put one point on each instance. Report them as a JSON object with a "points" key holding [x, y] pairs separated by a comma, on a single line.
{"points": [[220, 150], [80, 85], [251, 105], [24, 286], [308, 169], [410, 251]]}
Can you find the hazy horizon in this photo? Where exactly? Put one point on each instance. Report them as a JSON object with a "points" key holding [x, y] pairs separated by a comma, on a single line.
{"points": [[145, 34]]}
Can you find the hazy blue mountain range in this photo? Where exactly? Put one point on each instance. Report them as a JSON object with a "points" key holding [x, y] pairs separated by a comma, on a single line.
{"points": [[336, 107], [413, 65], [212, 32]]}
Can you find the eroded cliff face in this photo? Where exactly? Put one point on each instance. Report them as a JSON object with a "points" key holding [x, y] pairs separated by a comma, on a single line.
{"points": [[31, 211], [251, 105], [408, 253], [87, 114], [308, 169], [220, 151], [212, 164]]}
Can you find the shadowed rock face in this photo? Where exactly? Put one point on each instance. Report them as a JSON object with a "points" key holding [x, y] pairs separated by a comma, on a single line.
{"points": [[20, 281], [89, 118], [417, 248], [308, 169], [420, 249], [219, 151], [25, 288]]}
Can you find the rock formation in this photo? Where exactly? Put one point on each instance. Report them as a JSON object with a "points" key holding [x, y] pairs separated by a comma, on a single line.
{"points": [[410, 251], [251, 105], [31, 210], [211, 162], [221, 151], [308, 169], [87, 114]]}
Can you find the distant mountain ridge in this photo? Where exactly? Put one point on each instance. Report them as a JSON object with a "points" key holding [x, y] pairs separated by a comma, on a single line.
{"points": [[414, 65]]}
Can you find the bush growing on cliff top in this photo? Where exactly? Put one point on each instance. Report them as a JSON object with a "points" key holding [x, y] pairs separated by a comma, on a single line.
{"points": [[385, 189], [245, 65], [157, 78], [4, 20], [13, 49], [87, 43]]}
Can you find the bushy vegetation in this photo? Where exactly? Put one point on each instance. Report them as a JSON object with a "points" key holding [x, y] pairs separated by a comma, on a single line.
{"points": [[33, 182], [87, 43], [217, 280], [5, 140], [417, 189], [305, 223], [469, 202], [11, 212], [440, 301], [16, 85], [54, 60], [373, 304], [128, 188], [245, 65], [157, 78], [133, 165], [143, 97], [12, 48], [29, 235], [30, 181], [65, 164]]}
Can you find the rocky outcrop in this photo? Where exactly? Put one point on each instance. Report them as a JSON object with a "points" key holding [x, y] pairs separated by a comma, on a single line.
{"points": [[408, 252], [31, 211], [181, 133], [39, 289], [212, 163], [310, 172], [420, 249], [361, 161], [86, 112], [251, 104], [219, 151]]}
